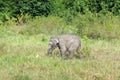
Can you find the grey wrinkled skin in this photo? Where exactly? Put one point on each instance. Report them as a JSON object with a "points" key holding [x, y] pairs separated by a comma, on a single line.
{"points": [[65, 43]]}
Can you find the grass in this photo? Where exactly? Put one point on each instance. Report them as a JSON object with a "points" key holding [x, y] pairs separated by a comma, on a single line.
{"points": [[24, 58], [23, 50]]}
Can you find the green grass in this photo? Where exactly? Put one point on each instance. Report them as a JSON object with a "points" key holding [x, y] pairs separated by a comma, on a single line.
{"points": [[24, 58], [23, 49]]}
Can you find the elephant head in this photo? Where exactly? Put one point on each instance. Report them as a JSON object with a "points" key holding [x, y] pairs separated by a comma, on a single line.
{"points": [[53, 44]]}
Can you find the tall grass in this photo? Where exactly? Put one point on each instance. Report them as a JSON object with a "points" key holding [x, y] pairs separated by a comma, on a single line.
{"points": [[90, 25], [98, 26], [41, 25]]}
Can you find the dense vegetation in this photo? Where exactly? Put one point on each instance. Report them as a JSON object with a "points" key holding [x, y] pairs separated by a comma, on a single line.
{"points": [[82, 15], [61, 8], [25, 29]]}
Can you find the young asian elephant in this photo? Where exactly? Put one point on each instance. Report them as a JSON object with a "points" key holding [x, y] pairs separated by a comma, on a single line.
{"points": [[65, 43]]}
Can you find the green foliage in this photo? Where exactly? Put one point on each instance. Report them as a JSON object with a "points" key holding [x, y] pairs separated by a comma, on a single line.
{"points": [[67, 9], [5, 9], [13, 8], [33, 7], [95, 19]]}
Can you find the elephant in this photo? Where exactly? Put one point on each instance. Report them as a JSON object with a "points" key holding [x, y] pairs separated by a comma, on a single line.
{"points": [[65, 43]]}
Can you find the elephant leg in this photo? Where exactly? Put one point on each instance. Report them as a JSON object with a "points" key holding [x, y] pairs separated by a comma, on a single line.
{"points": [[71, 54], [71, 51], [62, 52]]}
